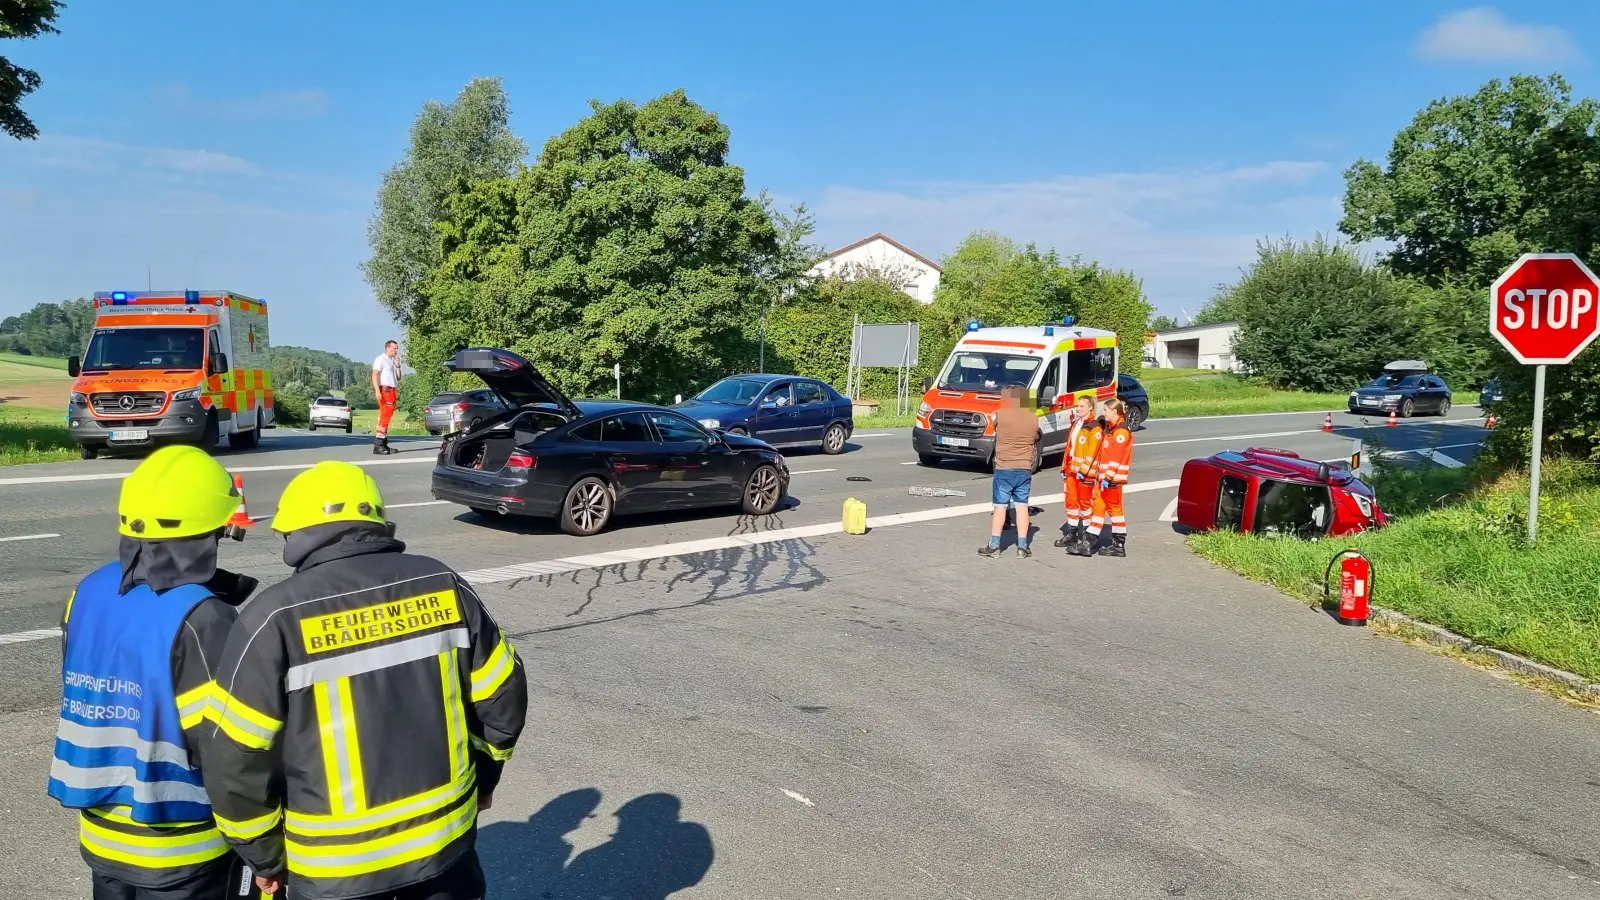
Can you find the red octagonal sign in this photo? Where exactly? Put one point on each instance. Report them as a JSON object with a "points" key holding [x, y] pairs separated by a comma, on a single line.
{"points": [[1545, 308]]}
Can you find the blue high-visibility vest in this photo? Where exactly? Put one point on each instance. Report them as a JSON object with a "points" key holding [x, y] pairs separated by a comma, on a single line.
{"points": [[120, 739]]}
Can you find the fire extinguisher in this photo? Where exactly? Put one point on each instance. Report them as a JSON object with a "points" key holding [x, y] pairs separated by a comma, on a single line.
{"points": [[1355, 587]]}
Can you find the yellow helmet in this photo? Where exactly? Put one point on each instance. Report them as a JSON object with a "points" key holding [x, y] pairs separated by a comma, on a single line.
{"points": [[329, 491], [176, 492]]}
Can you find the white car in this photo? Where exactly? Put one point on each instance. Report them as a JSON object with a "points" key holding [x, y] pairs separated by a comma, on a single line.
{"points": [[330, 412]]}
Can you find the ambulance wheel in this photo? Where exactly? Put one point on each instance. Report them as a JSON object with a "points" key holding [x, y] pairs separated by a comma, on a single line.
{"points": [[247, 440], [1038, 460], [927, 459], [212, 433], [87, 452]]}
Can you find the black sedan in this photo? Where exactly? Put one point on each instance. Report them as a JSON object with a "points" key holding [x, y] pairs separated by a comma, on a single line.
{"points": [[582, 462], [1133, 395], [1406, 392]]}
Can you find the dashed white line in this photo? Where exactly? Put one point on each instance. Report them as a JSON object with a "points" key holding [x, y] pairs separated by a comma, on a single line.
{"points": [[874, 434], [812, 471], [28, 537], [430, 459], [423, 503], [22, 637]]}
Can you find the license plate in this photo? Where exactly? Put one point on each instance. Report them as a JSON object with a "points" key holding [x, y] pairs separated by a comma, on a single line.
{"points": [[131, 434], [1368, 401], [953, 442]]}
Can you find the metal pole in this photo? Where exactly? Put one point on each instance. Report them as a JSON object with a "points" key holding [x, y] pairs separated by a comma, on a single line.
{"points": [[762, 365], [1538, 449]]}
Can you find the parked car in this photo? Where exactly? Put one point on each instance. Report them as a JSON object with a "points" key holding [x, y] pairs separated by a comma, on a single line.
{"points": [[1275, 492], [1132, 393], [782, 410], [1491, 394], [1405, 387], [584, 462], [461, 410], [329, 411]]}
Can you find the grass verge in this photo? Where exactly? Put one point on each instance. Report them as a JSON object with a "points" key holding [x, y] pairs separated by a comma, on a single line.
{"points": [[365, 420], [1214, 394], [1468, 566], [34, 435]]}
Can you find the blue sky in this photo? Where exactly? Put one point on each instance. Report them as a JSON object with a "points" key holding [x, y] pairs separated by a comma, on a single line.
{"points": [[240, 145]]}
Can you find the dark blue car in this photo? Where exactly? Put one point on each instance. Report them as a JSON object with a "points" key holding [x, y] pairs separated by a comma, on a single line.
{"points": [[782, 410]]}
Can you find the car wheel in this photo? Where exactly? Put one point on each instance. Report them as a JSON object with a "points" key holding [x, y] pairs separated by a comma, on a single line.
{"points": [[762, 491], [1444, 407], [313, 426], [473, 425], [1407, 408], [740, 431], [347, 429], [587, 508], [433, 431], [833, 440], [1136, 417], [927, 459], [87, 452]]}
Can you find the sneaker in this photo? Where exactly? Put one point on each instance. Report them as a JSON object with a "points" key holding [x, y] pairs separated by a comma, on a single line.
{"points": [[1024, 553], [988, 551]]}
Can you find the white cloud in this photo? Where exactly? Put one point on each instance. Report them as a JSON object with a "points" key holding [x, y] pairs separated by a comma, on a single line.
{"points": [[96, 155], [306, 103], [1183, 232], [1482, 34]]}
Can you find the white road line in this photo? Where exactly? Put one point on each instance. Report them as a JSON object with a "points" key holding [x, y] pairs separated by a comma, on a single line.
{"points": [[1170, 514], [1305, 412], [1449, 462], [1228, 437], [874, 434], [22, 637], [912, 462], [812, 471], [28, 537], [423, 503], [118, 476]]}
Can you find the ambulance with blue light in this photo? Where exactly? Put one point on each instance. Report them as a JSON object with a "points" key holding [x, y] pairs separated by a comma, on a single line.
{"points": [[1058, 362], [172, 367]]}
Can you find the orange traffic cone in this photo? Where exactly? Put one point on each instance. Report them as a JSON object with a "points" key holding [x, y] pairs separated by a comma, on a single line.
{"points": [[1327, 422], [241, 516], [1491, 421], [1392, 422]]}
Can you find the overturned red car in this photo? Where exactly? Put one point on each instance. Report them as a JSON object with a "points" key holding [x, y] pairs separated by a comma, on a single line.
{"points": [[1275, 492]]}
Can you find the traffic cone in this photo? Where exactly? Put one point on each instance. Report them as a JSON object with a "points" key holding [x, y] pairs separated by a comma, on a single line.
{"points": [[241, 516], [1491, 421], [1327, 422], [1392, 422]]}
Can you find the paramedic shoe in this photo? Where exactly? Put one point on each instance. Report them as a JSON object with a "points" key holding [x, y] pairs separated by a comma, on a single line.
{"points": [[1117, 547], [377, 447], [1084, 545], [1024, 553], [988, 551], [1067, 539]]}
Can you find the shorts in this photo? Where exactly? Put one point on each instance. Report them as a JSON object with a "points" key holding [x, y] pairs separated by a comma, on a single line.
{"points": [[1012, 486]]}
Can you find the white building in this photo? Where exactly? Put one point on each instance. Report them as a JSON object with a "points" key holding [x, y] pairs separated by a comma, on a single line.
{"points": [[882, 255], [1197, 347]]}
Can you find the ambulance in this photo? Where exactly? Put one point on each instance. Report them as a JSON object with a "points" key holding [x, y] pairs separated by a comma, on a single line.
{"points": [[1058, 362], [172, 367]]}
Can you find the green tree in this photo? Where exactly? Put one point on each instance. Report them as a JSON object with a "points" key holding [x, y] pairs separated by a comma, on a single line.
{"points": [[50, 329], [1112, 300], [1161, 323], [1475, 181], [22, 19], [468, 140], [630, 241]]}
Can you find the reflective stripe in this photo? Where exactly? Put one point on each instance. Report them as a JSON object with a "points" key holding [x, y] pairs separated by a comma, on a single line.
{"points": [[341, 748], [103, 736], [151, 852], [491, 750], [455, 723], [494, 672], [125, 776], [240, 722], [363, 857], [192, 706], [399, 653], [313, 825], [250, 828], [68, 614]]}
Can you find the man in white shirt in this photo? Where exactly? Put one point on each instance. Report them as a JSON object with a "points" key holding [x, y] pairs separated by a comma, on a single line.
{"points": [[386, 387]]}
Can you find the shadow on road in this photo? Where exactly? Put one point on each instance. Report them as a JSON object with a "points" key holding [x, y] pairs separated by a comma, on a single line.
{"points": [[532, 525], [652, 854]]}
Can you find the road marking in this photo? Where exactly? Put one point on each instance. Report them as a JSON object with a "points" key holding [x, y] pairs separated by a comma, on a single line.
{"points": [[1304, 412], [1270, 434], [1170, 514], [118, 476], [798, 798], [875, 434], [501, 574], [812, 471], [1449, 462], [29, 537], [913, 462], [21, 637], [423, 503]]}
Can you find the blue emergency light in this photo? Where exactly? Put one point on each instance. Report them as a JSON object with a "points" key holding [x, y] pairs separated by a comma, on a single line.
{"points": [[1049, 331], [974, 325], [191, 296], [1068, 320], [119, 296]]}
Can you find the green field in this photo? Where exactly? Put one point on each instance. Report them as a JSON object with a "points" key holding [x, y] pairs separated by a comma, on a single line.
{"points": [[38, 362], [34, 434], [1198, 392], [1466, 567]]}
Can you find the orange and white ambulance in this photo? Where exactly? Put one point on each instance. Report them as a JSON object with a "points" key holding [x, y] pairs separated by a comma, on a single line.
{"points": [[172, 367], [1058, 362]]}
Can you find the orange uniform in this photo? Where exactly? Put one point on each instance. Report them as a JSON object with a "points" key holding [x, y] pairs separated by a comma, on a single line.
{"points": [[1080, 470], [1116, 458]]}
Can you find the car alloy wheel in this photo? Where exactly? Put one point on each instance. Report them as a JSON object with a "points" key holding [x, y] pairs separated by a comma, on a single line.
{"points": [[1444, 407], [833, 441], [762, 492], [587, 508], [1407, 408]]}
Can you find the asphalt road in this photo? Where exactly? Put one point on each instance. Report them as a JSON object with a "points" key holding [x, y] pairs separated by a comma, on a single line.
{"points": [[892, 716]]}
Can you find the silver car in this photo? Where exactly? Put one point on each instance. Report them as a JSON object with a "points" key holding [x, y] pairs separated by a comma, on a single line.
{"points": [[461, 410]]}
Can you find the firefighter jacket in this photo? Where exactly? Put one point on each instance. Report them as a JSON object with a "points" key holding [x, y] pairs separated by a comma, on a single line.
{"points": [[1083, 450], [136, 681], [362, 707], [1116, 455]]}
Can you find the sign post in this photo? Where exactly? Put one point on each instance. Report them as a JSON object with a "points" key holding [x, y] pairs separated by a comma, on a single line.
{"points": [[1544, 311]]}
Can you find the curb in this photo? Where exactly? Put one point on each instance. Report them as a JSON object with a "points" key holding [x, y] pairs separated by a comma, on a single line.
{"points": [[1444, 637]]}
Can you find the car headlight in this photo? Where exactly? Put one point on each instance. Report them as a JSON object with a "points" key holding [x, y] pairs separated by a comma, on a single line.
{"points": [[1364, 504], [1391, 396], [1353, 395], [79, 398], [980, 419], [924, 410], [711, 423], [191, 394]]}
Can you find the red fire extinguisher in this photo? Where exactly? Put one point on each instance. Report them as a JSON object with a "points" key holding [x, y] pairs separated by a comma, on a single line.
{"points": [[1355, 587]]}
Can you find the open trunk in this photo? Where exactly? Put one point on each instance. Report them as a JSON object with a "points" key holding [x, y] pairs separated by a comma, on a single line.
{"points": [[488, 448]]}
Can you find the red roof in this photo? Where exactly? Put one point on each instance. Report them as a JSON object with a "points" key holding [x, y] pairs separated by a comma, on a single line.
{"points": [[880, 236]]}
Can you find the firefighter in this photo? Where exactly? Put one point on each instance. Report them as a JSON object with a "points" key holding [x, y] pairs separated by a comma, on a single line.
{"points": [[137, 637], [1079, 472], [363, 710], [1116, 457]]}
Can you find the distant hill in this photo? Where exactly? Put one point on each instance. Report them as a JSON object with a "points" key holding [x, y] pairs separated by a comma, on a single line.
{"points": [[304, 371]]}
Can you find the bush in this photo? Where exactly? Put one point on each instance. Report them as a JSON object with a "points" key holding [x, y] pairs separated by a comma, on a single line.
{"points": [[291, 409]]}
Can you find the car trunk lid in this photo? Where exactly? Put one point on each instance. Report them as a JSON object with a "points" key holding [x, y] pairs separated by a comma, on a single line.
{"points": [[512, 377]]}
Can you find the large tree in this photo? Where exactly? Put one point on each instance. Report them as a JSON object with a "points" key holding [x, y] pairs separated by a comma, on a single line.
{"points": [[22, 19], [631, 241], [470, 141]]}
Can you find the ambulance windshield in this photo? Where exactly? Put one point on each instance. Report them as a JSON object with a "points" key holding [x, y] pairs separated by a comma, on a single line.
{"points": [[970, 370], [146, 348]]}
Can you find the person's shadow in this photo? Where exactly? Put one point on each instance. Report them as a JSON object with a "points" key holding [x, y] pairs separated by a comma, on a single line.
{"points": [[652, 854]]}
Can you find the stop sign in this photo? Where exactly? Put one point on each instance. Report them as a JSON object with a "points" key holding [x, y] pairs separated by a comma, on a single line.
{"points": [[1544, 308]]}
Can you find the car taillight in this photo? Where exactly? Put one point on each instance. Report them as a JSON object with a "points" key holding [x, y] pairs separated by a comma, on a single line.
{"points": [[461, 407], [520, 460]]}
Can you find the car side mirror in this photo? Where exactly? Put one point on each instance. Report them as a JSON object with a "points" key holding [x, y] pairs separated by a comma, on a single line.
{"points": [[219, 364], [74, 368]]}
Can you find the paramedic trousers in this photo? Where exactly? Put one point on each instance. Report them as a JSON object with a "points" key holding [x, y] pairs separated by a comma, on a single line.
{"points": [[388, 398], [1079, 500], [1108, 505]]}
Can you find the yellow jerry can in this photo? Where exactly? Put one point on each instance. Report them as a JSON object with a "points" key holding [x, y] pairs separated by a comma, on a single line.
{"points": [[855, 517]]}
